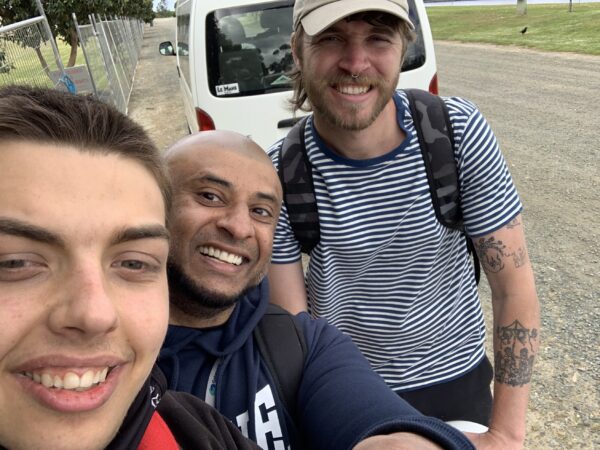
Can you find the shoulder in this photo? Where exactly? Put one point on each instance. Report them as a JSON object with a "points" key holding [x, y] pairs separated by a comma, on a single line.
{"points": [[455, 105], [273, 150], [315, 335], [195, 425], [460, 105], [325, 343]]}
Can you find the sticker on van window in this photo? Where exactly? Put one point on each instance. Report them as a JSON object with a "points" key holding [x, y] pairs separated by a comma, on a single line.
{"points": [[283, 79], [226, 89]]}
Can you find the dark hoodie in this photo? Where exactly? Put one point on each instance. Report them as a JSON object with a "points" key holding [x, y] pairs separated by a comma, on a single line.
{"points": [[341, 401], [164, 420]]}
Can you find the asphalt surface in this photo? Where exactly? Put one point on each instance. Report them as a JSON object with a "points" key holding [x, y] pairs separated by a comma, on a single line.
{"points": [[544, 110]]}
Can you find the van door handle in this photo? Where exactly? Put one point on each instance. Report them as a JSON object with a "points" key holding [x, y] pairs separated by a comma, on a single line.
{"points": [[288, 123]]}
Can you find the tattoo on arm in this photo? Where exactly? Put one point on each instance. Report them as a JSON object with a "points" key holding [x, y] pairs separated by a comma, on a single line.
{"points": [[514, 358], [513, 224], [519, 257], [492, 252]]}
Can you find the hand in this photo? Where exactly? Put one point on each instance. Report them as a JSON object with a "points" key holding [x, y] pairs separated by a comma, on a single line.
{"points": [[493, 440], [397, 441]]}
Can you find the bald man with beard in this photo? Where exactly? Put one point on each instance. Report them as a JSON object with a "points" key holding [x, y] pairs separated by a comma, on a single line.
{"points": [[227, 198]]}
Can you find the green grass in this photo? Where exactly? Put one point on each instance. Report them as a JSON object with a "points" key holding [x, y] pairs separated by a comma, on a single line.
{"points": [[26, 67], [549, 27]]}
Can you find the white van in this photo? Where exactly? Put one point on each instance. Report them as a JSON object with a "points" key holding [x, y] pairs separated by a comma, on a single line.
{"points": [[233, 56]]}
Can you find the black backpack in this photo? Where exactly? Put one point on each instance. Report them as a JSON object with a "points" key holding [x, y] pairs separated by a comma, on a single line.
{"points": [[436, 140]]}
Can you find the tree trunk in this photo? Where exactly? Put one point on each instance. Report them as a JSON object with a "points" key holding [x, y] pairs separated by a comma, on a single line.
{"points": [[73, 54], [43, 62], [521, 7]]}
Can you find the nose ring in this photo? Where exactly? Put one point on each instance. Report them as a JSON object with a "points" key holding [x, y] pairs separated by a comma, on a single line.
{"points": [[355, 76]]}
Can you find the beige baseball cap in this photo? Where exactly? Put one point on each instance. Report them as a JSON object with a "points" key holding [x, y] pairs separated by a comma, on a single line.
{"points": [[318, 15]]}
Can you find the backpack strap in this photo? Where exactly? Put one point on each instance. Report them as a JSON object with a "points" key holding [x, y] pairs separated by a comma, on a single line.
{"points": [[295, 173], [283, 348], [436, 139]]}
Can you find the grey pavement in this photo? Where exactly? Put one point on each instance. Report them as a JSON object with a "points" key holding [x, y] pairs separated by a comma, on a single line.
{"points": [[155, 100]]}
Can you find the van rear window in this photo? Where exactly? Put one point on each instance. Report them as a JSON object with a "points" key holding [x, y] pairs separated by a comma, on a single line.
{"points": [[248, 49]]}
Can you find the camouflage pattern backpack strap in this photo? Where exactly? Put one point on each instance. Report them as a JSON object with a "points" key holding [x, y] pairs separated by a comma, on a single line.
{"points": [[295, 173], [436, 139], [431, 120]]}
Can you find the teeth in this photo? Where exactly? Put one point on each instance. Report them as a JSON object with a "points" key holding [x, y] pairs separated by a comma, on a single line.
{"points": [[70, 381], [58, 382], [222, 255], [47, 380], [353, 90]]}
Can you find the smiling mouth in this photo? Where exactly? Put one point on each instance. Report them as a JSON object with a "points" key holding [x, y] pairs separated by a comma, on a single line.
{"points": [[222, 255], [352, 89], [70, 381]]}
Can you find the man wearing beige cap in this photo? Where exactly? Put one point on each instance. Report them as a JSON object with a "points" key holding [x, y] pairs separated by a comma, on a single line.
{"points": [[385, 269]]}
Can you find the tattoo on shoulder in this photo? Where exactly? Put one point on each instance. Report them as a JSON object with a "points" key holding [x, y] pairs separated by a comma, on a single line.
{"points": [[514, 358]]}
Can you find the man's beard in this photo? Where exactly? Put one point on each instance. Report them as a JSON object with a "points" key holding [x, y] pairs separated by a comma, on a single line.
{"points": [[349, 121], [194, 300]]}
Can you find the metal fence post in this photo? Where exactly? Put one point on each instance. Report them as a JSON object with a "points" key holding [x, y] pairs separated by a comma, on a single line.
{"points": [[85, 55]]}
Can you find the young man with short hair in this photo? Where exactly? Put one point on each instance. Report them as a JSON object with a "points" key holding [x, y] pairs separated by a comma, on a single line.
{"points": [[84, 200], [385, 270]]}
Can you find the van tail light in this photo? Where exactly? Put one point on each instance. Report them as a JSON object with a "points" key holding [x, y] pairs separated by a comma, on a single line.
{"points": [[205, 122], [433, 85]]}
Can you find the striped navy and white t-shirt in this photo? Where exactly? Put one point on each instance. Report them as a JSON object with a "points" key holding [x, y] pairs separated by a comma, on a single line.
{"points": [[386, 272]]}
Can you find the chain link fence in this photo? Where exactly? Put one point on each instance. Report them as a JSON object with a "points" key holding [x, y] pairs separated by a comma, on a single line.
{"points": [[110, 47], [27, 56]]}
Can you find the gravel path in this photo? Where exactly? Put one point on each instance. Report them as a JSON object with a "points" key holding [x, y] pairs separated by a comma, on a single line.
{"points": [[155, 100], [544, 110]]}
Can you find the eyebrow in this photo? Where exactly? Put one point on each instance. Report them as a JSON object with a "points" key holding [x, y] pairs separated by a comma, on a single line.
{"points": [[376, 29], [214, 179], [267, 197], [141, 232], [14, 227], [217, 180]]}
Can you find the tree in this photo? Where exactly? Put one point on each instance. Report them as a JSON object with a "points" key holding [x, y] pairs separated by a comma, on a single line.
{"points": [[162, 10], [59, 14], [162, 6], [522, 7], [5, 65]]}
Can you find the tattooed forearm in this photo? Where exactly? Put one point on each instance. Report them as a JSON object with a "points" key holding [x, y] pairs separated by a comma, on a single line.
{"points": [[515, 354]]}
